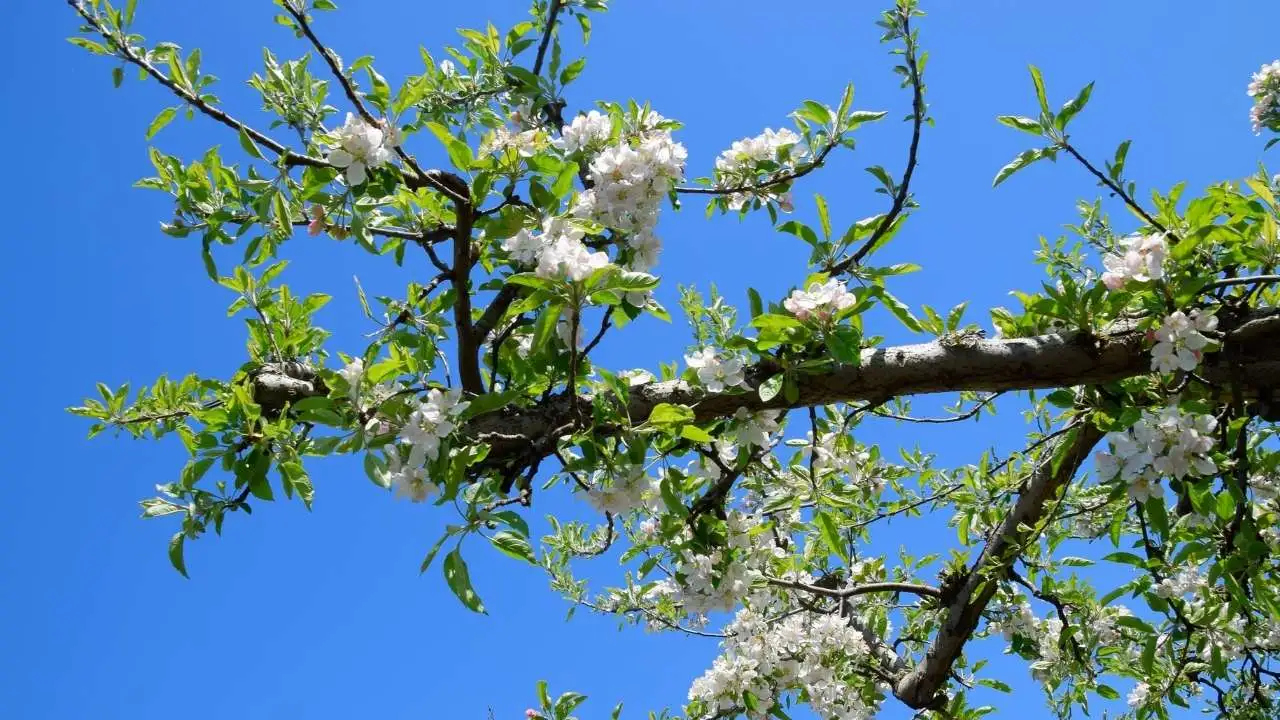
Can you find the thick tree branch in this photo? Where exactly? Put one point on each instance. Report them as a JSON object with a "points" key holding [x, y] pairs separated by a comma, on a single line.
{"points": [[1043, 361], [864, 589], [1057, 466]]}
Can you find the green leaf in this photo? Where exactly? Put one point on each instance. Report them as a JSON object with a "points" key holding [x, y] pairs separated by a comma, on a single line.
{"points": [[164, 118], [1107, 692], [696, 434], [830, 534], [899, 309], [1025, 158], [1073, 107], [823, 216], [668, 415], [1025, 124], [459, 580], [515, 546], [117, 76], [566, 703], [770, 388], [1038, 80], [574, 69], [175, 554], [756, 304], [431, 554], [250, 146]]}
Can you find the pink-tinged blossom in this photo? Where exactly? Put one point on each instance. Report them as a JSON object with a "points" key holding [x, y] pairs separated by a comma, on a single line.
{"points": [[1180, 341], [1140, 258], [820, 300]]}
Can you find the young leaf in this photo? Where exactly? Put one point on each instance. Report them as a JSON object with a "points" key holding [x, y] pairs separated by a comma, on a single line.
{"points": [[1024, 159], [459, 580], [164, 118]]}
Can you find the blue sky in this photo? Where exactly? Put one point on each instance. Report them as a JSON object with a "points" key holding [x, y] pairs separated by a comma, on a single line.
{"points": [[323, 614]]}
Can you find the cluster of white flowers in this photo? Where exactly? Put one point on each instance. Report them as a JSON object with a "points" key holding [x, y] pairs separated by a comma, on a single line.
{"points": [[568, 259], [852, 465], [1015, 619], [630, 179], [1264, 88], [360, 147], [713, 371], [741, 165], [353, 372], [1139, 696], [1164, 443], [707, 470], [586, 132], [1141, 259], [755, 428], [409, 480], [625, 489], [558, 251], [820, 300], [1180, 341], [818, 654], [1188, 580], [433, 420], [503, 141], [717, 581]]}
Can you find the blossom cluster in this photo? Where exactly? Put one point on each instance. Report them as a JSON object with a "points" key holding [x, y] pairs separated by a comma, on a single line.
{"points": [[586, 132], [360, 146], [1141, 258], [851, 464], [558, 252], [629, 180], [1264, 88], [821, 300], [433, 420], [715, 372], [818, 654], [754, 428], [1180, 340], [718, 580], [503, 142], [744, 161], [622, 490], [1164, 443]]}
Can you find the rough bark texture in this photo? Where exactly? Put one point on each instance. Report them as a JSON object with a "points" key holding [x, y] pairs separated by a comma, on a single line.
{"points": [[1043, 361], [920, 688]]}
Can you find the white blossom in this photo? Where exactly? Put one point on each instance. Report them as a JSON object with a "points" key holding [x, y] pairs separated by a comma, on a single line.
{"points": [[821, 300], [1139, 696], [713, 372], [622, 490], [352, 373], [755, 428], [447, 68], [1163, 443], [746, 159], [429, 423], [565, 258], [1141, 258], [1264, 88], [360, 147], [1180, 340], [585, 132]]}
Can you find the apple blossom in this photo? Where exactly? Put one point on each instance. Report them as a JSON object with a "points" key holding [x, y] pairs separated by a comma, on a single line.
{"points": [[713, 372], [359, 148]]}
